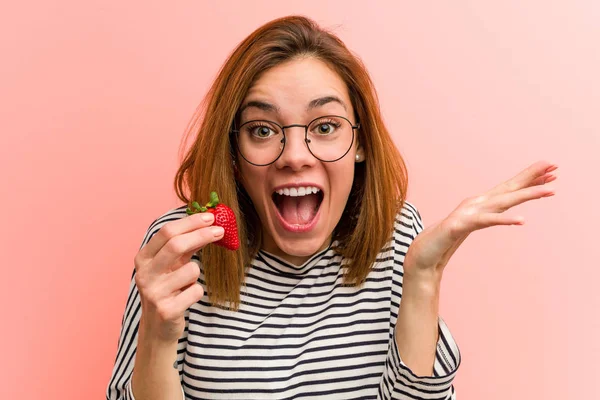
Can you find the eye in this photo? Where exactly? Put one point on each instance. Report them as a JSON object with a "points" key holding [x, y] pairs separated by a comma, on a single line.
{"points": [[325, 127], [261, 130]]}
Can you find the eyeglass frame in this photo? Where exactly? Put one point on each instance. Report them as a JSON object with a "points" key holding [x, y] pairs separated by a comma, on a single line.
{"points": [[284, 141]]}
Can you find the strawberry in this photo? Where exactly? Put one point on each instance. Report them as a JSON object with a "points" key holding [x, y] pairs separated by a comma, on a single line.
{"points": [[224, 217]]}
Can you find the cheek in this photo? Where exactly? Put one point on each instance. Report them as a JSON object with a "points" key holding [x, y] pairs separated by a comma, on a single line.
{"points": [[253, 179], [341, 179]]}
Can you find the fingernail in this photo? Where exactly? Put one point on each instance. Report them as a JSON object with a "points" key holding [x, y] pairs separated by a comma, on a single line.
{"points": [[217, 231], [208, 217]]}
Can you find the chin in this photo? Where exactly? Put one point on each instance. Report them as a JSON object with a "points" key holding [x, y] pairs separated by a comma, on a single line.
{"points": [[302, 248]]}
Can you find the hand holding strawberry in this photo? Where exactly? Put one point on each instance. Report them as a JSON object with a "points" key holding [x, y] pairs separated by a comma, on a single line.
{"points": [[224, 217]]}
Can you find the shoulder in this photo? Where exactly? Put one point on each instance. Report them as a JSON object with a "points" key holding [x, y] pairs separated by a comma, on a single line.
{"points": [[411, 210], [408, 223]]}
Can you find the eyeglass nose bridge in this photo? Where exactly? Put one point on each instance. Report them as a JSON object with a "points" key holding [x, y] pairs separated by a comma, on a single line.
{"points": [[284, 139]]}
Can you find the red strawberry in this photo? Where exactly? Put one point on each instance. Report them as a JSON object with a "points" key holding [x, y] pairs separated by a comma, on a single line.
{"points": [[224, 217]]}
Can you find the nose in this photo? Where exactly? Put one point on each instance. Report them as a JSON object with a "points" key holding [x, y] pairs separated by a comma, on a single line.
{"points": [[296, 155]]}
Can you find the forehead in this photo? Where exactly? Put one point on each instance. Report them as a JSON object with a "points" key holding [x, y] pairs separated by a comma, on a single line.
{"points": [[295, 83]]}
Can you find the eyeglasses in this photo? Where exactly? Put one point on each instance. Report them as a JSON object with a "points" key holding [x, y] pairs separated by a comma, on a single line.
{"points": [[329, 138]]}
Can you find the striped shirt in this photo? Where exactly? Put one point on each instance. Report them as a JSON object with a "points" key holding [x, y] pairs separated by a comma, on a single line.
{"points": [[300, 333]]}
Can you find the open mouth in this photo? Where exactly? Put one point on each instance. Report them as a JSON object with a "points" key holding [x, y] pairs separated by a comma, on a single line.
{"points": [[298, 205]]}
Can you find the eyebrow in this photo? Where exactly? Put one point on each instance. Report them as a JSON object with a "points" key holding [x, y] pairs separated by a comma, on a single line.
{"points": [[261, 105], [268, 107], [321, 101]]}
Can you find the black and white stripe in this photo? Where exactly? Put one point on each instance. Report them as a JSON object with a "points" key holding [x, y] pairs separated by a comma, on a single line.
{"points": [[299, 333]]}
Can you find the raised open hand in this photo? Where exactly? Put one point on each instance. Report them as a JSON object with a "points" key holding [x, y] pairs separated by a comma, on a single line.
{"points": [[432, 248]]}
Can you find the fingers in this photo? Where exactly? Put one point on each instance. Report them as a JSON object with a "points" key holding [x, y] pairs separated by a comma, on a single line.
{"points": [[189, 296], [460, 228], [180, 279], [172, 229], [486, 210], [503, 202], [485, 220], [182, 286], [534, 171], [182, 244], [161, 308], [535, 174], [184, 259], [175, 243], [546, 178]]}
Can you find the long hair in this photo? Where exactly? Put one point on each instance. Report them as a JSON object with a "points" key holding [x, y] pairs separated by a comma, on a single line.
{"points": [[380, 182]]}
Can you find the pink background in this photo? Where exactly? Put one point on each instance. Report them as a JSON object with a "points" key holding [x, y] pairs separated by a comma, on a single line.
{"points": [[95, 99]]}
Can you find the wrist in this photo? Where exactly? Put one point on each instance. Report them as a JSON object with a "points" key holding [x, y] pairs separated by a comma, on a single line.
{"points": [[425, 281], [151, 334], [152, 343]]}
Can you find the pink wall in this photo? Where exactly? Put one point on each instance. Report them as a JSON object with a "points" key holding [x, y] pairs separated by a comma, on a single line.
{"points": [[95, 99]]}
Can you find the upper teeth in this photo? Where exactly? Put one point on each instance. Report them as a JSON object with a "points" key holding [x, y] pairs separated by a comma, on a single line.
{"points": [[298, 191]]}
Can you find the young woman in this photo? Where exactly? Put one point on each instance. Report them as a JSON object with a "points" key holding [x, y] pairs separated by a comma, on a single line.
{"points": [[334, 291]]}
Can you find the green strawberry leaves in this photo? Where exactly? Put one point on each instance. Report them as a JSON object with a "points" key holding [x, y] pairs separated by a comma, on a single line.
{"points": [[197, 208]]}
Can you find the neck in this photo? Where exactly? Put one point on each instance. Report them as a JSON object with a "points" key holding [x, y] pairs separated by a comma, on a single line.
{"points": [[296, 259]]}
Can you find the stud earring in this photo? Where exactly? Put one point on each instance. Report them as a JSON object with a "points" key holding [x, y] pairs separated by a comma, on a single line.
{"points": [[357, 157]]}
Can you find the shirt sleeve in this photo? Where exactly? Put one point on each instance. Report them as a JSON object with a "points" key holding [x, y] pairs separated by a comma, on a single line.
{"points": [[398, 381], [119, 385]]}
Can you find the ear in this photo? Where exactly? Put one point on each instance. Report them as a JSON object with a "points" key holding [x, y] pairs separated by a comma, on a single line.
{"points": [[236, 171], [360, 153]]}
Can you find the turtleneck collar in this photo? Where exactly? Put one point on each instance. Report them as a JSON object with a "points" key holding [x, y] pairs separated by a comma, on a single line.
{"points": [[286, 268]]}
